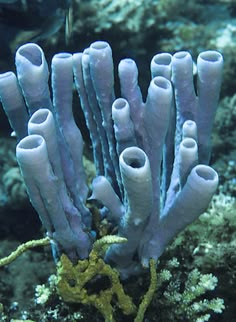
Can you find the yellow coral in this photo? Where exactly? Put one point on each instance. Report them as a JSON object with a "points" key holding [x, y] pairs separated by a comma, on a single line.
{"points": [[72, 282], [22, 248], [150, 293]]}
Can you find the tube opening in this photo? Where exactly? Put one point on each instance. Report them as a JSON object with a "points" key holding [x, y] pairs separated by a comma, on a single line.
{"points": [[32, 53], [6, 75], [39, 117], [30, 142], [134, 162], [189, 123], [205, 172], [181, 54], [127, 61], [211, 56], [120, 103], [161, 82], [162, 59], [63, 55], [189, 143], [134, 157], [99, 45]]}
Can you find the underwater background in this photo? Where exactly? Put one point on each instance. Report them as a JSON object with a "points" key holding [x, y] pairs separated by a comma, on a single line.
{"points": [[137, 29]]}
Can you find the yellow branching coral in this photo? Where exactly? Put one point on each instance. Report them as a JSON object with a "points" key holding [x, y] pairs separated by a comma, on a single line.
{"points": [[22, 248], [72, 281], [150, 293]]}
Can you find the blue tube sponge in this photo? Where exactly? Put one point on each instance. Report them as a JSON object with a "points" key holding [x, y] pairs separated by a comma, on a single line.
{"points": [[46, 195], [151, 156], [33, 74]]}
